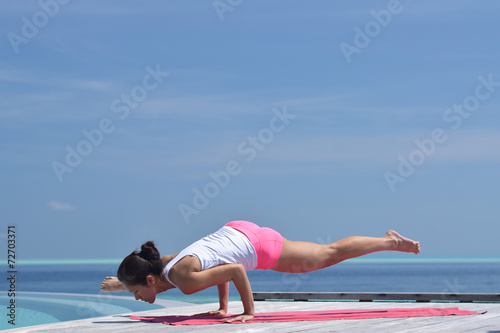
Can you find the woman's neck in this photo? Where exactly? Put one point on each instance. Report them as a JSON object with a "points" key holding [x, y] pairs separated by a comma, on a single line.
{"points": [[163, 284]]}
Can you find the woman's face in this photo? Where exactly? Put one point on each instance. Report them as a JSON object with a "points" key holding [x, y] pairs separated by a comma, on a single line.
{"points": [[145, 293]]}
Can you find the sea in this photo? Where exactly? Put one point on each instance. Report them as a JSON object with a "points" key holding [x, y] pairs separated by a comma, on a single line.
{"points": [[51, 281], [446, 275]]}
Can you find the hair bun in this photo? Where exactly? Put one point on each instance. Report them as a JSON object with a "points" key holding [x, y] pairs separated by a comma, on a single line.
{"points": [[149, 251]]}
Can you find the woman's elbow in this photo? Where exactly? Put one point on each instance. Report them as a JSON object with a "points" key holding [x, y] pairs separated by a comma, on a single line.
{"points": [[187, 288], [188, 291]]}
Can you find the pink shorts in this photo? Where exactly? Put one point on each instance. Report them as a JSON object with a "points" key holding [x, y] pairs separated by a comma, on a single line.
{"points": [[266, 242]]}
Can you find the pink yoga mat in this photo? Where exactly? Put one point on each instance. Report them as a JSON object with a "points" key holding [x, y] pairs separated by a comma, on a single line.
{"points": [[312, 316]]}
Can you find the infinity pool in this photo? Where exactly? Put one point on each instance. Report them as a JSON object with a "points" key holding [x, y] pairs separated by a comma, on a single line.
{"points": [[35, 308]]}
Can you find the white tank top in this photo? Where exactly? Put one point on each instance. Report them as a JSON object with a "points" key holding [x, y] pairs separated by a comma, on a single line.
{"points": [[225, 246]]}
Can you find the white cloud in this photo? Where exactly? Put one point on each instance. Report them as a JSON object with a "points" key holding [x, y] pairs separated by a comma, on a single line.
{"points": [[201, 106], [133, 9], [479, 146], [60, 206], [43, 78], [318, 153]]}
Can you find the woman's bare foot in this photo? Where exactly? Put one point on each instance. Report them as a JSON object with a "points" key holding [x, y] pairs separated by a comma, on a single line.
{"points": [[111, 283], [403, 244]]}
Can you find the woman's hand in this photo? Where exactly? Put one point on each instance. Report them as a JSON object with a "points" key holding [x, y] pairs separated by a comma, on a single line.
{"points": [[217, 313], [242, 317]]}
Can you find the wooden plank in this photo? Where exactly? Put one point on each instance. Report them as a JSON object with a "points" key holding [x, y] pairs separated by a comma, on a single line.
{"points": [[368, 297], [482, 323], [121, 323]]}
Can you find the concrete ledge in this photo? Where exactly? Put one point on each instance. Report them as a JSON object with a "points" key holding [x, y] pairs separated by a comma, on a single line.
{"points": [[368, 297]]}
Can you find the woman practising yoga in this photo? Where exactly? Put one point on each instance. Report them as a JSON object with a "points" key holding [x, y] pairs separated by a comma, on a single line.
{"points": [[228, 253]]}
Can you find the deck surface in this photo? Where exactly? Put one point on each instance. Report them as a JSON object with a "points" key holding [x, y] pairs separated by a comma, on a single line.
{"points": [[489, 322]]}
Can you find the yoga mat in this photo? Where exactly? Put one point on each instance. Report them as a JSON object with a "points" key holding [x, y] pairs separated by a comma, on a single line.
{"points": [[312, 316]]}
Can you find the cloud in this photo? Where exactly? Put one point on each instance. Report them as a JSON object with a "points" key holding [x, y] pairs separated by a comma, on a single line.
{"points": [[60, 206], [43, 78], [471, 146], [322, 152], [133, 9]]}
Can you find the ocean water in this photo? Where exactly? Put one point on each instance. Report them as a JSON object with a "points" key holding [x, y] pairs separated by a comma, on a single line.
{"points": [[376, 276], [445, 276]]}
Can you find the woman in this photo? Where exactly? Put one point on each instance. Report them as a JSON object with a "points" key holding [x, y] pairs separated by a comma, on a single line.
{"points": [[227, 254]]}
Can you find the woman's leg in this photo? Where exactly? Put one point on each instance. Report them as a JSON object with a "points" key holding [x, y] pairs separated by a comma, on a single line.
{"points": [[301, 257]]}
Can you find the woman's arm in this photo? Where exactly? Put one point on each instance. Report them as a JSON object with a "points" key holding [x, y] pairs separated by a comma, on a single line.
{"points": [[223, 297], [190, 282], [223, 301]]}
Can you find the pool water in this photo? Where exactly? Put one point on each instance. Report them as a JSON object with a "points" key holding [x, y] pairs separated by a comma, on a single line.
{"points": [[34, 308]]}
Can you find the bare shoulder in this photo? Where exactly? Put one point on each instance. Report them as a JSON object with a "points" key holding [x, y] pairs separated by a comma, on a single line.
{"points": [[183, 267], [182, 270]]}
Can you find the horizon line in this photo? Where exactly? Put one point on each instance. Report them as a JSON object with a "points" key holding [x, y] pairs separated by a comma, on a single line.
{"points": [[383, 260]]}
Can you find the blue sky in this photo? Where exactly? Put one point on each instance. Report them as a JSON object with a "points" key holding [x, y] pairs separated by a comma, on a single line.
{"points": [[319, 119]]}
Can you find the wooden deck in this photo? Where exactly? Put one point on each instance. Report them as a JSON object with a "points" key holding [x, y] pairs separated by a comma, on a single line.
{"points": [[488, 323]]}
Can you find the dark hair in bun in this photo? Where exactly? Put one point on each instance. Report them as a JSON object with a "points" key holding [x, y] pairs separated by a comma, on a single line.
{"points": [[137, 265], [149, 251]]}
